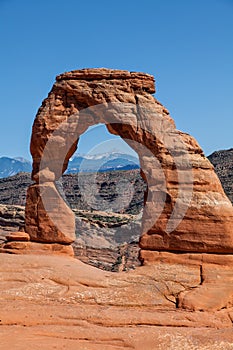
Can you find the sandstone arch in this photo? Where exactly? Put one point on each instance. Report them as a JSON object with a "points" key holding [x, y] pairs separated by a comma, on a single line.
{"points": [[77, 100]]}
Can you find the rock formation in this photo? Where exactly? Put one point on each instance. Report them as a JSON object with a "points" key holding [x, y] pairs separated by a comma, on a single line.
{"points": [[223, 165], [186, 242], [13, 189], [186, 209], [12, 218]]}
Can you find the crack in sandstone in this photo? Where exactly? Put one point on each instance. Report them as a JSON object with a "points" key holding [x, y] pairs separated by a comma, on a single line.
{"points": [[114, 341]]}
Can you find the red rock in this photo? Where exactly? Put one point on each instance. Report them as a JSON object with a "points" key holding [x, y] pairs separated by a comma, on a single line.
{"points": [[18, 236], [176, 300], [186, 210], [44, 208], [17, 247], [58, 302]]}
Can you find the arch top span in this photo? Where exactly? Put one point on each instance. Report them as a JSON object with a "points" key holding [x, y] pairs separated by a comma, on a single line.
{"points": [[186, 208], [137, 80]]}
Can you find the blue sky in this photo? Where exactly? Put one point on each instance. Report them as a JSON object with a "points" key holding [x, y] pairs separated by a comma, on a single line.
{"points": [[186, 45]]}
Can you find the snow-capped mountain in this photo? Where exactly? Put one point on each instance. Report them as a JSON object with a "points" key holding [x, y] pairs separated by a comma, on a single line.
{"points": [[13, 166], [79, 163], [102, 162]]}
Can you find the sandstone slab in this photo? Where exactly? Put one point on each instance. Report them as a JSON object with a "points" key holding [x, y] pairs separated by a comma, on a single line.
{"points": [[18, 236], [19, 247], [58, 302]]}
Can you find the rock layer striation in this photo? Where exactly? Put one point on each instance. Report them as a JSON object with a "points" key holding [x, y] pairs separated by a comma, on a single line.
{"points": [[185, 209]]}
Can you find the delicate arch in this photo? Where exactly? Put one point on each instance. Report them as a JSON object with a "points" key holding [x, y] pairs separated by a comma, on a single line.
{"points": [[186, 208]]}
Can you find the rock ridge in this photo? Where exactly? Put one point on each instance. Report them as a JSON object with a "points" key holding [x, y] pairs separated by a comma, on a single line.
{"points": [[140, 80]]}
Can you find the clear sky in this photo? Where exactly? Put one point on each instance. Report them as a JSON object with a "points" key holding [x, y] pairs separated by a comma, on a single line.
{"points": [[186, 45]]}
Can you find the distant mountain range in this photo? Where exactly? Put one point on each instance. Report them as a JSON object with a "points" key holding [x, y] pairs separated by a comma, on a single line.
{"points": [[13, 166], [102, 162], [110, 161]]}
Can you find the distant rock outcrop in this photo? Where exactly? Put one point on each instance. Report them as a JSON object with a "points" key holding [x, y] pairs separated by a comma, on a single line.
{"points": [[12, 218], [109, 187], [13, 189], [223, 165]]}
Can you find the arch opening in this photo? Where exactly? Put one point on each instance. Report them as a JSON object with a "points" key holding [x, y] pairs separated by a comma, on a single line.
{"points": [[108, 215]]}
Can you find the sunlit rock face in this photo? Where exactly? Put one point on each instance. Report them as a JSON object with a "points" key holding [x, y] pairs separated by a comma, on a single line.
{"points": [[185, 209]]}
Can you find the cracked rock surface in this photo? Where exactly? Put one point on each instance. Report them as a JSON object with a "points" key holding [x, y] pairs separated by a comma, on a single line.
{"points": [[55, 302]]}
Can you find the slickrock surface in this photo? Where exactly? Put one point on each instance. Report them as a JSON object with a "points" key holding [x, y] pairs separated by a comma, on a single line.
{"points": [[17, 246], [50, 302]]}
